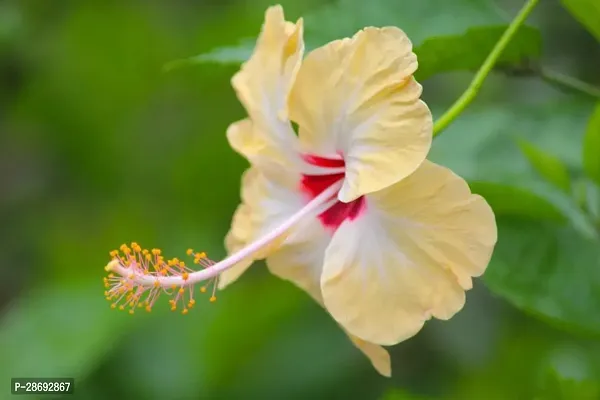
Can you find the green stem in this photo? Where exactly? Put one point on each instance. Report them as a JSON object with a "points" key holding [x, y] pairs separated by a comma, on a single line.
{"points": [[465, 99], [570, 82]]}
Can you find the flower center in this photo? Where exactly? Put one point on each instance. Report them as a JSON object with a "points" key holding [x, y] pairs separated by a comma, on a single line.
{"points": [[313, 185]]}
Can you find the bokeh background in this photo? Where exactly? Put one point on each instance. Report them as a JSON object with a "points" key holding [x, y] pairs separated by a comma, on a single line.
{"points": [[100, 146]]}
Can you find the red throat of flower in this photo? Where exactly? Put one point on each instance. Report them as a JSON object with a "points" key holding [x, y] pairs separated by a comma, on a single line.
{"points": [[313, 185]]}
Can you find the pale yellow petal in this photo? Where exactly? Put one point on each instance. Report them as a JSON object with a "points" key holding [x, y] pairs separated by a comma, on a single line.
{"points": [[268, 199], [243, 226], [263, 84], [358, 97], [409, 257], [236, 239], [300, 261], [379, 357]]}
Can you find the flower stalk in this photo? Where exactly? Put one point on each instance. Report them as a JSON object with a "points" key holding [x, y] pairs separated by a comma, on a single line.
{"points": [[473, 89]]}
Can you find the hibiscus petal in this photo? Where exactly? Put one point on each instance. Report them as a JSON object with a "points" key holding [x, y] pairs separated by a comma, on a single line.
{"points": [[268, 198], [236, 239], [410, 256], [263, 85], [300, 261], [358, 97], [243, 225], [379, 357]]}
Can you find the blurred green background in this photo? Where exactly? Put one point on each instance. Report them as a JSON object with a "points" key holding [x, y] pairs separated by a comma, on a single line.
{"points": [[100, 146]]}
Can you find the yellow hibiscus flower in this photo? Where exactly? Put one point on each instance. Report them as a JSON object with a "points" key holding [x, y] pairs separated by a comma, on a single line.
{"points": [[398, 238], [348, 209]]}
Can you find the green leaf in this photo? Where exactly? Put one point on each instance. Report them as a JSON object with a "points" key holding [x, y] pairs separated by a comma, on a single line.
{"points": [[550, 271], [591, 146], [568, 206], [592, 201], [464, 52], [516, 201], [535, 200], [548, 166], [223, 55], [447, 36], [481, 144], [587, 12]]}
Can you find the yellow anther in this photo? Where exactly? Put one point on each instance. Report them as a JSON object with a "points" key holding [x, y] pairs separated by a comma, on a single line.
{"points": [[189, 252], [213, 299], [127, 287]]}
